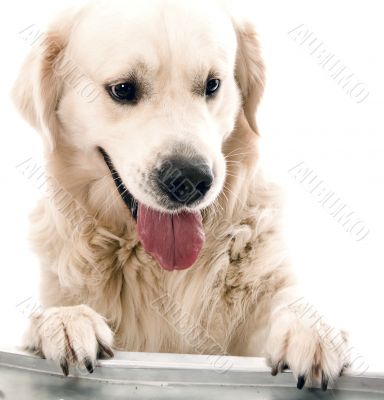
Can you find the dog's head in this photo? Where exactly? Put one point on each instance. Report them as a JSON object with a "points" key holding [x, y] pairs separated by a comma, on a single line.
{"points": [[153, 89]]}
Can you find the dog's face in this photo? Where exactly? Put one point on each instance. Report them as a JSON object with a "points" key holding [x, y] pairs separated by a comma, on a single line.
{"points": [[170, 78], [168, 97]]}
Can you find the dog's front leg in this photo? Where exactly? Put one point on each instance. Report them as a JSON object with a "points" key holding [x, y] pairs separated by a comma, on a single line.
{"points": [[71, 336], [301, 340]]}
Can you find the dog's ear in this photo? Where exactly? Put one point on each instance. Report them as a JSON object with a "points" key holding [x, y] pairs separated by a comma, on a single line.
{"points": [[37, 90], [250, 71]]}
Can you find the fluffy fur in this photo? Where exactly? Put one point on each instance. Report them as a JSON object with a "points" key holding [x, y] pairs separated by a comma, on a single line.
{"points": [[235, 300]]}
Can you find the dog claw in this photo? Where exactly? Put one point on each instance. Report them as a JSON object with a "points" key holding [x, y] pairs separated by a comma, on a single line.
{"points": [[279, 368], [64, 367], [301, 382], [283, 367], [88, 364], [104, 350], [324, 382]]}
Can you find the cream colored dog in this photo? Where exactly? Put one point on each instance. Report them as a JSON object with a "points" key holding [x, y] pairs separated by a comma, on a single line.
{"points": [[147, 110]]}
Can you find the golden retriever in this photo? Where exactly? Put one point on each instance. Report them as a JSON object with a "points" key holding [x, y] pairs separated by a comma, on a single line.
{"points": [[161, 234]]}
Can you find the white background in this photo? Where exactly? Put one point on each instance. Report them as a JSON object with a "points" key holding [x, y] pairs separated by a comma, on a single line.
{"points": [[305, 117]]}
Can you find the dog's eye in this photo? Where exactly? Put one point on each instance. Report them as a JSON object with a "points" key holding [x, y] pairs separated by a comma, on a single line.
{"points": [[124, 92], [212, 87]]}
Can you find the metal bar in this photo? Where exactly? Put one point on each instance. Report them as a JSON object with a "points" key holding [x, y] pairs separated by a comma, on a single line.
{"points": [[174, 373]]}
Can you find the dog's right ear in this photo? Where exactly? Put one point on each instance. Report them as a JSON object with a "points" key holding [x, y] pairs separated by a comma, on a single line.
{"points": [[250, 68], [38, 88]]}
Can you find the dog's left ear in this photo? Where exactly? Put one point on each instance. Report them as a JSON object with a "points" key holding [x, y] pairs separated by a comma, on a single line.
{"points": [[250, 71], [37, 90]]}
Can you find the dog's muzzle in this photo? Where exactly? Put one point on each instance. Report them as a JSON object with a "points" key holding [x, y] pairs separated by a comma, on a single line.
{"points": [[173, 239]]}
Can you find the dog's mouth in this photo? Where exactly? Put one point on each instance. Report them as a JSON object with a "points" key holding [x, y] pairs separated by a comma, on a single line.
{"points": [[174, 240]]}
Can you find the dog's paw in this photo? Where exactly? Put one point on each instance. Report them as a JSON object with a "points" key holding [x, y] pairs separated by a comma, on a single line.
{"points": [[314, 352], [71, 336]]}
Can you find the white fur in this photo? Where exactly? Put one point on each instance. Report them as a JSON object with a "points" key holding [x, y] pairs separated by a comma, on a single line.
{"points": [[235, 296]]}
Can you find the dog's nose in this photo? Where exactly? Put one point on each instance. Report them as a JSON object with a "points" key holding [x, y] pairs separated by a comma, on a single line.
{"points": [[185, 180]]}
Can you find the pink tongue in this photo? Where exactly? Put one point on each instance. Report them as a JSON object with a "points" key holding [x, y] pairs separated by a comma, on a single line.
{"points": [[175, 240]]}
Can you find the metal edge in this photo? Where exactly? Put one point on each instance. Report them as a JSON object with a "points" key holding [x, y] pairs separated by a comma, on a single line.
{"points": [[184, 369]]}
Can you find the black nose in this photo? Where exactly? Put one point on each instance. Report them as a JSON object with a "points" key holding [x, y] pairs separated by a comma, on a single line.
{"points": [[184, 180]]}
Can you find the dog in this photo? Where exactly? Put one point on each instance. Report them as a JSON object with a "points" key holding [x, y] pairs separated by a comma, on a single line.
{"points": [[161, 233]]}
